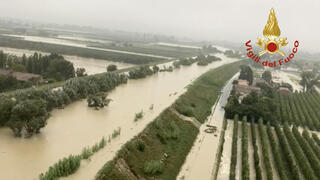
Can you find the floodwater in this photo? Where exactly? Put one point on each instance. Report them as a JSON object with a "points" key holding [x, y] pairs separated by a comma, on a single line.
{"points": [[78, 38], [92, 66], [224, 169], [48, 40], [201, 159], [77, 44], [70, 129], [293, 79]]}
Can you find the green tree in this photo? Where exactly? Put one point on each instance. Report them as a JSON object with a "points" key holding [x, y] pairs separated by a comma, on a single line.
{"points": [[266, 75], [28, 117], [309, 80], [6, 105], [80, 72], [98, 100], [111, 68], [246, 73]]}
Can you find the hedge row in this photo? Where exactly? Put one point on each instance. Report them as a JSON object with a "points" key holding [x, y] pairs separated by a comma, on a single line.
{"points": [[245, 158], [279, 161], [255, 151], [265, 150], [234, 150], [302, 160]]}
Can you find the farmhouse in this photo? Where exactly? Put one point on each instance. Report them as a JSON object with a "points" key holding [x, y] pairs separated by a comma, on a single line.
{"points": [[21, 76]]}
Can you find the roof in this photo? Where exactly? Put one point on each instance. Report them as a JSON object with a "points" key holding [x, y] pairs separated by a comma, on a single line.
{"points": [[243, 82], [21, 76], [284, 89], [246, 89], [24, 76], [4, 72]]}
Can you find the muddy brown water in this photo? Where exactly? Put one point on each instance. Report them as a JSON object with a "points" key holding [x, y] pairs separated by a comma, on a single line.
{"points": [[199, 163], [70, 129]]}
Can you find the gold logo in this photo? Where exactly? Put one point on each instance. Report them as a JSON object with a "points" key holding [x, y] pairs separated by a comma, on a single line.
{"points": [[271, 32]]}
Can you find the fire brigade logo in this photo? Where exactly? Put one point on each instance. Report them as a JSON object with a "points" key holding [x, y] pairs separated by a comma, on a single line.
{"points": [[271, 32], [271, 44]]}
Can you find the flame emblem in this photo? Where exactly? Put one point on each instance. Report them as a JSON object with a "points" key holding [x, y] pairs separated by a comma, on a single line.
{"points": [[271, 32]]}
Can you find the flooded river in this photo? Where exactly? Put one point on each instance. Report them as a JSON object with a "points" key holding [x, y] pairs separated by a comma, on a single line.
{"points": [[92, 66], [76, 126]]}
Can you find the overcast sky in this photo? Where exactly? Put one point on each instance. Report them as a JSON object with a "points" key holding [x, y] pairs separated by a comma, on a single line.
{"points": [[232, 20]]}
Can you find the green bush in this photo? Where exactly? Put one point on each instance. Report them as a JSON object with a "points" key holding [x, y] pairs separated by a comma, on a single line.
{"points": [[153, 167], [62, 168]]}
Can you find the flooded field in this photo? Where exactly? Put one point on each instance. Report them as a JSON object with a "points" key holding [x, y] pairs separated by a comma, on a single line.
{"points": [[92, 66], [77, 44], [293, 79], [76, 126], [224, 169], [77, 38], [48, 40]]}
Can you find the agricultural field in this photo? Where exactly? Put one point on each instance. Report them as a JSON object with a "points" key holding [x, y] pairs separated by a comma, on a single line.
{"points": [[288, 148]]}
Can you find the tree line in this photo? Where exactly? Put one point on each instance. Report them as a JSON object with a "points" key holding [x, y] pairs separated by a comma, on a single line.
{"points": [[26, 112], [51, 67]]}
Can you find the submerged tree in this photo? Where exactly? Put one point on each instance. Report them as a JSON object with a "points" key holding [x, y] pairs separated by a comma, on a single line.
{"points": [[98, 100], [80, 72], [111, 68]]}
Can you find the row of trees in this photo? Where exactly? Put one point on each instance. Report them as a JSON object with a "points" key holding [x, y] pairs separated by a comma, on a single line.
{"points": [[265, 150], [49, 66], [292, 167], [142, 72], [70, 164], [291, 151], [277, 156], [27, 111], [300, 109], [234, 149], [252, 106], [308, 151], [255, 151], [201, 59], [300, 156], [245, 156]]}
